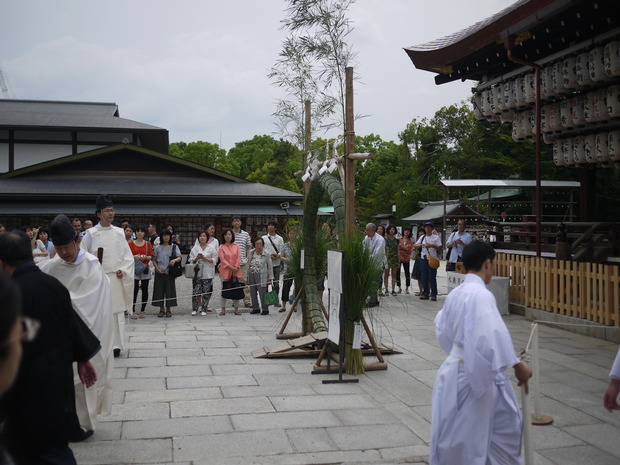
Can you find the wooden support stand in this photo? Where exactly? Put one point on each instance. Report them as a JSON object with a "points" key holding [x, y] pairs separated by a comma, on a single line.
{"points": [[379, 365]]}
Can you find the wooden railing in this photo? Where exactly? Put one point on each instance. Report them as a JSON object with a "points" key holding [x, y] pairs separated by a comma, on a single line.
{"points": [[578, 289]]}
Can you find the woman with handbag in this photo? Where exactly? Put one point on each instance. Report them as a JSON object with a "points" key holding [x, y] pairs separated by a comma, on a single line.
{"points": [[142, 254], [204, 256], [230, 271], [260, 275], [165, 256], [428, 245]]}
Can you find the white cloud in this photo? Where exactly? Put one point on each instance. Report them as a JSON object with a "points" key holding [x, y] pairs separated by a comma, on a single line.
{"points": [[198, 68]]}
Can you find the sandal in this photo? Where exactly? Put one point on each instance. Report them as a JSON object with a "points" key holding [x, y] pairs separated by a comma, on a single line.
{"points": [[237, 312], [407, 292], [168, 314], [134, 316], [418, 294], [141, 315], [161, 313], [222, 313]]}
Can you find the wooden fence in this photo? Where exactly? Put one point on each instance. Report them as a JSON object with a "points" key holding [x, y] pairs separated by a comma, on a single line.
{"points": [[578, 289]]}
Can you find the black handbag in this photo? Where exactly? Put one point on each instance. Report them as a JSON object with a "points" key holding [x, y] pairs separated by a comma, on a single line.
{"points": [[175, 270], [232, 289]]}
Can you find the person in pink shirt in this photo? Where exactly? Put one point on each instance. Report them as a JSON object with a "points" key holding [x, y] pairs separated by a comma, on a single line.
{"points": [[230, 268]]}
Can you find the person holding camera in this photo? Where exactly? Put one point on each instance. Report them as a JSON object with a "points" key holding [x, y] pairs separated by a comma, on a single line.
{"points": [[456, 243], [142, 251]]}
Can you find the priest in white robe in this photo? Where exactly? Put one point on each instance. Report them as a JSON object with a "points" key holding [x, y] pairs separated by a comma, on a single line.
{"points": [[118, 263], [475, 415], [610, 399], [88, 285]]}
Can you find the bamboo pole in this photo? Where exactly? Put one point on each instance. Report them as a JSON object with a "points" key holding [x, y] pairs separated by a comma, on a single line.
{"points": [[349, 164]]}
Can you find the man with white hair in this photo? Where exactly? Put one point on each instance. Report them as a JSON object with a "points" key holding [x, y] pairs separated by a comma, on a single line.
{"points": [[376, 244]]}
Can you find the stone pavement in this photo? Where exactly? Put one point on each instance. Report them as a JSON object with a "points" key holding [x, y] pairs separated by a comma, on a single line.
{"points": [[188, 391]]}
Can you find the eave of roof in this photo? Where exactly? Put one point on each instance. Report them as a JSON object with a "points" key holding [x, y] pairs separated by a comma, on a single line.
{"points": [[535, 28], [57, 162]]}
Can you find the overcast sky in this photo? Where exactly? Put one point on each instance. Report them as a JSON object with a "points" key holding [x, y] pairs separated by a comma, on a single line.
{"points": [[199, 67]]}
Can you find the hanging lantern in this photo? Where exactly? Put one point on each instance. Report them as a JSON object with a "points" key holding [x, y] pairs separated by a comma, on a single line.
{"points": [[517, 133], [546, 82], [510, 95], [590, 148], [579, 155], [613, 145], [530, 88], [577, 105], [569, 76], [558, 158], [529, 124], [556, 79], [613, 101], [486, 104], [595, 107], [566, 115], [611, 58], [567, 151], [520, 92], [478, 106], [507, 116], [582, 70], [602, 149], [497, 100], [596, 64]]}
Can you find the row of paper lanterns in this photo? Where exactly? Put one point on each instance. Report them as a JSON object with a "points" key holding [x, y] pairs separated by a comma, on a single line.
{"points": [[569, 114], [587, 69], [602, 147]]}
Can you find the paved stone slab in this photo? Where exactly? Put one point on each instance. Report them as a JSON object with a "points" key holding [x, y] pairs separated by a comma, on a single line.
{"points": [[138, 411], [139, 362], [211, 359], [125, 452], [242, 445], [580, 455], [135, 384], [220, 407], [312, 440], [165, 352], [264, 391], [371, 437], [285, 420], [336, 457], [170, 371], [171, 395], [168, 428], [324, 402], [604, 437], [226, 370], [206, 381]]}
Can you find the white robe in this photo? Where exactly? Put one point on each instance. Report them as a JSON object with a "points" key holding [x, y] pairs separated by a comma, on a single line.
{"points": [[116, 256], [475, 415], [89, 288]]}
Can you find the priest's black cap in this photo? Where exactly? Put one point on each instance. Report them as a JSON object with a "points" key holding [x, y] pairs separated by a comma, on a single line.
{"points": [[61, 231], [103, 201]]}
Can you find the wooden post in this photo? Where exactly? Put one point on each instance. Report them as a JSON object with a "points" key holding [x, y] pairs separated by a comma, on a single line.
{"points": [[349, 165]]}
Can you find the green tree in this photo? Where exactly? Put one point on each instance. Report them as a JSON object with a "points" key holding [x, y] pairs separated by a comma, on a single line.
{"points": [[204, 153], [279, 170], [252, 154]]}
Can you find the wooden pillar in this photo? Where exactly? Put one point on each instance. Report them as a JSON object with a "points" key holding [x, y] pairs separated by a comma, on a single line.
{"points": [[349, 164]]}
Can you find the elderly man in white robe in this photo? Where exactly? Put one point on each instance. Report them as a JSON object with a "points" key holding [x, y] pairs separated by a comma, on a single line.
{"points": [[475, 415], [89, 288], [118, 263]]}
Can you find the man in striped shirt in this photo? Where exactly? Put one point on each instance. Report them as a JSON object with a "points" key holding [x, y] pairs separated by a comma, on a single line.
{"points": [[242, 239]]}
